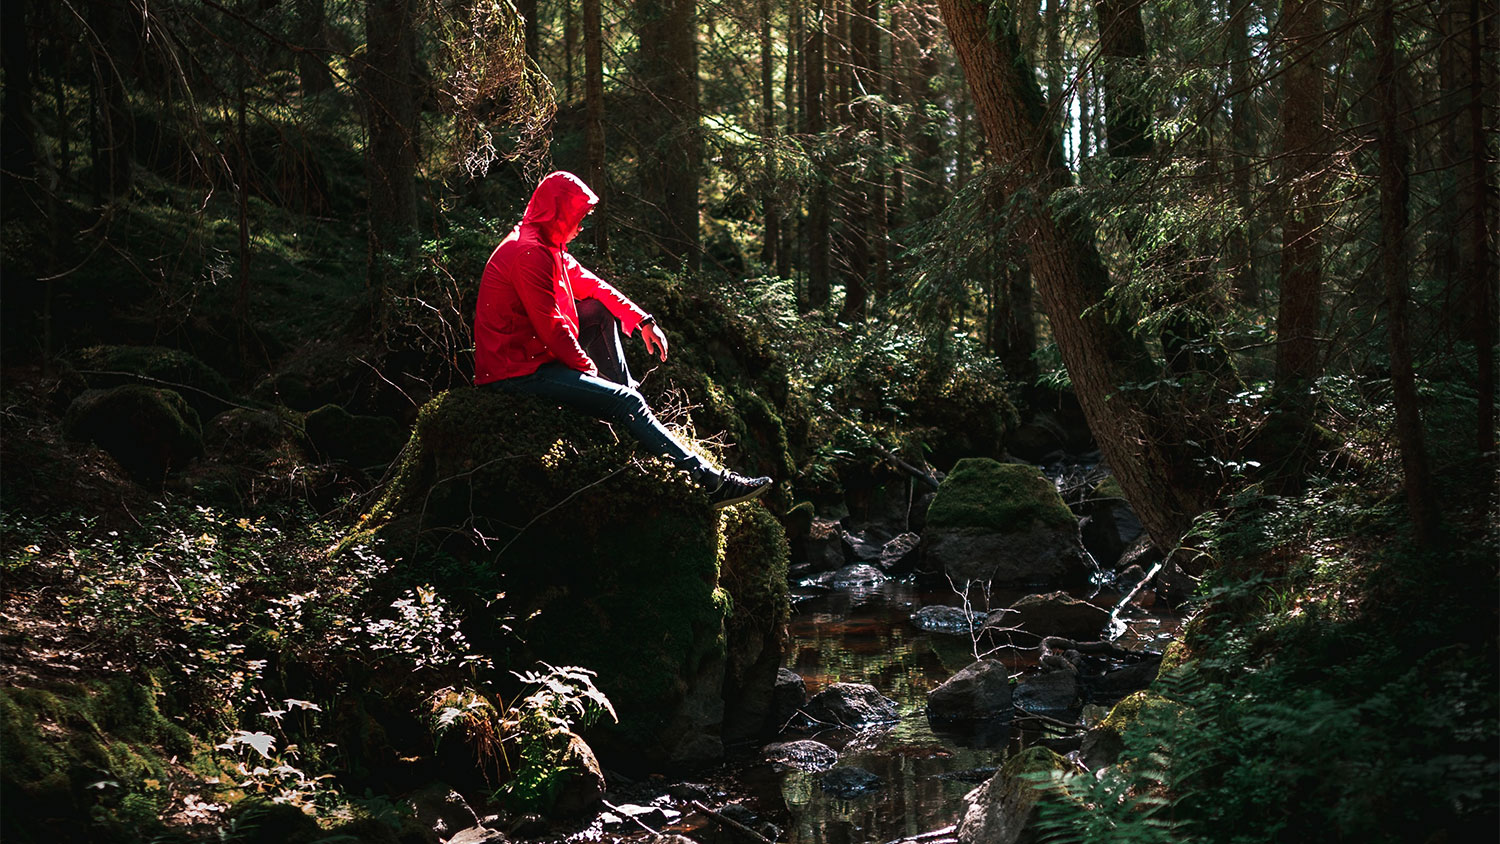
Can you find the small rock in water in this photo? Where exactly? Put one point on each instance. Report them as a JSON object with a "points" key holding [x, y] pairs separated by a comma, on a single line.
{"points": [[857, 575], [738, 813], [851, 705], [1050, 691], [980, 692], [789, 695], [861, 548], [941, 619], [689, 791], [1053, 614], [630, 813], [803, 754], [849, 783], [477, 835], [899, 555]]}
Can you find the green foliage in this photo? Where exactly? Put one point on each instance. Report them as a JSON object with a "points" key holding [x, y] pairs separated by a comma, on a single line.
{"points": [[1331, 686], [1004, 496], [564, 701]]}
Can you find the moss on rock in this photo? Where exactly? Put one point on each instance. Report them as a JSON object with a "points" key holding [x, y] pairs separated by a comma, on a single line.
{"points": [[608, 558], [1007, 497], [149, 431], [204, 389], [86, 761], [362, 441], [753, 572]]}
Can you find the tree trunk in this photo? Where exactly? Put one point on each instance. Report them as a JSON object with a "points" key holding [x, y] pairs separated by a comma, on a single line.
{"points": [[1297, 320], [593, 94], [111, 128], [668, 32], [528, 10], [1394, 192], [391, 152], [1477, 199], [1246, 287], [312, 62], [18, 151], [1071, 279], [570, 47], [770, 252], [813, 124]]}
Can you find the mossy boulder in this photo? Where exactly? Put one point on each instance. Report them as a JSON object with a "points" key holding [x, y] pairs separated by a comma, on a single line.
{"points": [[363, 441], [87, 761], [963, 412], [149, 431], [754, 573], [1003, 809], [1002, 522], [202, 387], [608, 559]]}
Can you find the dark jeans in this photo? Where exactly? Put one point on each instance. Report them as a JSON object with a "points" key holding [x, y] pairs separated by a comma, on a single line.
{"points": [[612, 401]]}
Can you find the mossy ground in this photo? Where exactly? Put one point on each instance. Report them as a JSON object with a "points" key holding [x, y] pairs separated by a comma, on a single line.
{"points": [[983, 493]]}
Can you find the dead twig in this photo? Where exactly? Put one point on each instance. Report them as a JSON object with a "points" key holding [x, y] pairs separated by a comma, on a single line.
{"points": [[624, 814], [732, 824]]}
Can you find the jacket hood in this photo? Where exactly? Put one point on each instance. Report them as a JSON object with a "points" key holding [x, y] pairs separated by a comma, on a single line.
{"points": [[560, 202]]}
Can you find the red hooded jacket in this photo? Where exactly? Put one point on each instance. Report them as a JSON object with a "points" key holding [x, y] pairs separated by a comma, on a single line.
{"points": [[526, 314]]}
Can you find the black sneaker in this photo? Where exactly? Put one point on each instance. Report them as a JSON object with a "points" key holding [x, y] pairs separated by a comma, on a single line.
{"points": [[736, 488]]}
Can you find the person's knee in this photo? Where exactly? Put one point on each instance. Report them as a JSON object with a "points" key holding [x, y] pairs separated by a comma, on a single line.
{"points": [[593, 311], [630, 403]]}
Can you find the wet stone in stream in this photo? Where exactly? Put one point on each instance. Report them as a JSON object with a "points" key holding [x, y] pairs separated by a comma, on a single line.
{"points": [[850, 782]]}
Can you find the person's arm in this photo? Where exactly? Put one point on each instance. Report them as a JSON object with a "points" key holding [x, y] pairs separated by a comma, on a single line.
{"points": [[586, 285], [541, 291]]}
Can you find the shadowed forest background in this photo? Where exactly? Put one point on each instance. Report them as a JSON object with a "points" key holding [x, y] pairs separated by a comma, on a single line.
{"points": [[271, 565]]}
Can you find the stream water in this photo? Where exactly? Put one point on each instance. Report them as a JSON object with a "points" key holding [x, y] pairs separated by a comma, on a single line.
{"points": [[864, 634]]}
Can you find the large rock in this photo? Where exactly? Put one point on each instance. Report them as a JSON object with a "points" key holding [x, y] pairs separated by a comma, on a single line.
{"points": [[1111, 526], [980, 692], [1002, 522], [1003, 810], [821, 546], [754, 573], [362, 441], [607, 560], [148, 431], [852, 705], [1051, 691], [899, 555], [204, 389], [1052, 614], [803, 754]]}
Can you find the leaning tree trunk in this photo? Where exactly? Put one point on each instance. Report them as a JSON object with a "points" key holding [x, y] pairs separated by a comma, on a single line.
{"points": [[1070, 276]]}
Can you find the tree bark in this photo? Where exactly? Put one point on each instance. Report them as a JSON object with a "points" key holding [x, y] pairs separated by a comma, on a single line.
{"points": [[1394, 192], [668, 32], [391, 152], [813, 125], [1245, 284], [312, 64], [1297, 320], [1070, 276], [593, 94], [770, 252], [1478, 199]]}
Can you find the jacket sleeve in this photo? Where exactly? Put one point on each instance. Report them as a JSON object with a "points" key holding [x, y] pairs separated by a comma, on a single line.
{"points": [[541, 291], [586, 285]]}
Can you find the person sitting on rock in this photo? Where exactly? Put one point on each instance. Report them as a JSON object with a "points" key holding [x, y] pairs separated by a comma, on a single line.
{"points": [[545, 326]]}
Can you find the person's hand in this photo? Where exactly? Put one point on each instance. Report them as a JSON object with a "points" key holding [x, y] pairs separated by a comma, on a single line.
{"points": [[655, 340]]}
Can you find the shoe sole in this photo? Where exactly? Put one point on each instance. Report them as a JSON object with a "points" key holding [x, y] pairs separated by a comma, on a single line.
{"points": [[754, 493]]}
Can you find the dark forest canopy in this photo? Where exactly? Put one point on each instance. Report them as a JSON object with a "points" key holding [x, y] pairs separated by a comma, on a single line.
{"points": [[1245, 250]]}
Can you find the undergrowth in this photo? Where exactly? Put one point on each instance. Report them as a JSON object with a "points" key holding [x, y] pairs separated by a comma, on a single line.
{"points": [[1340, 686]]}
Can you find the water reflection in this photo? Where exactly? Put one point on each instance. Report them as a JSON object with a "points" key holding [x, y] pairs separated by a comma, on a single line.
{"points": [[864, 635]]}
